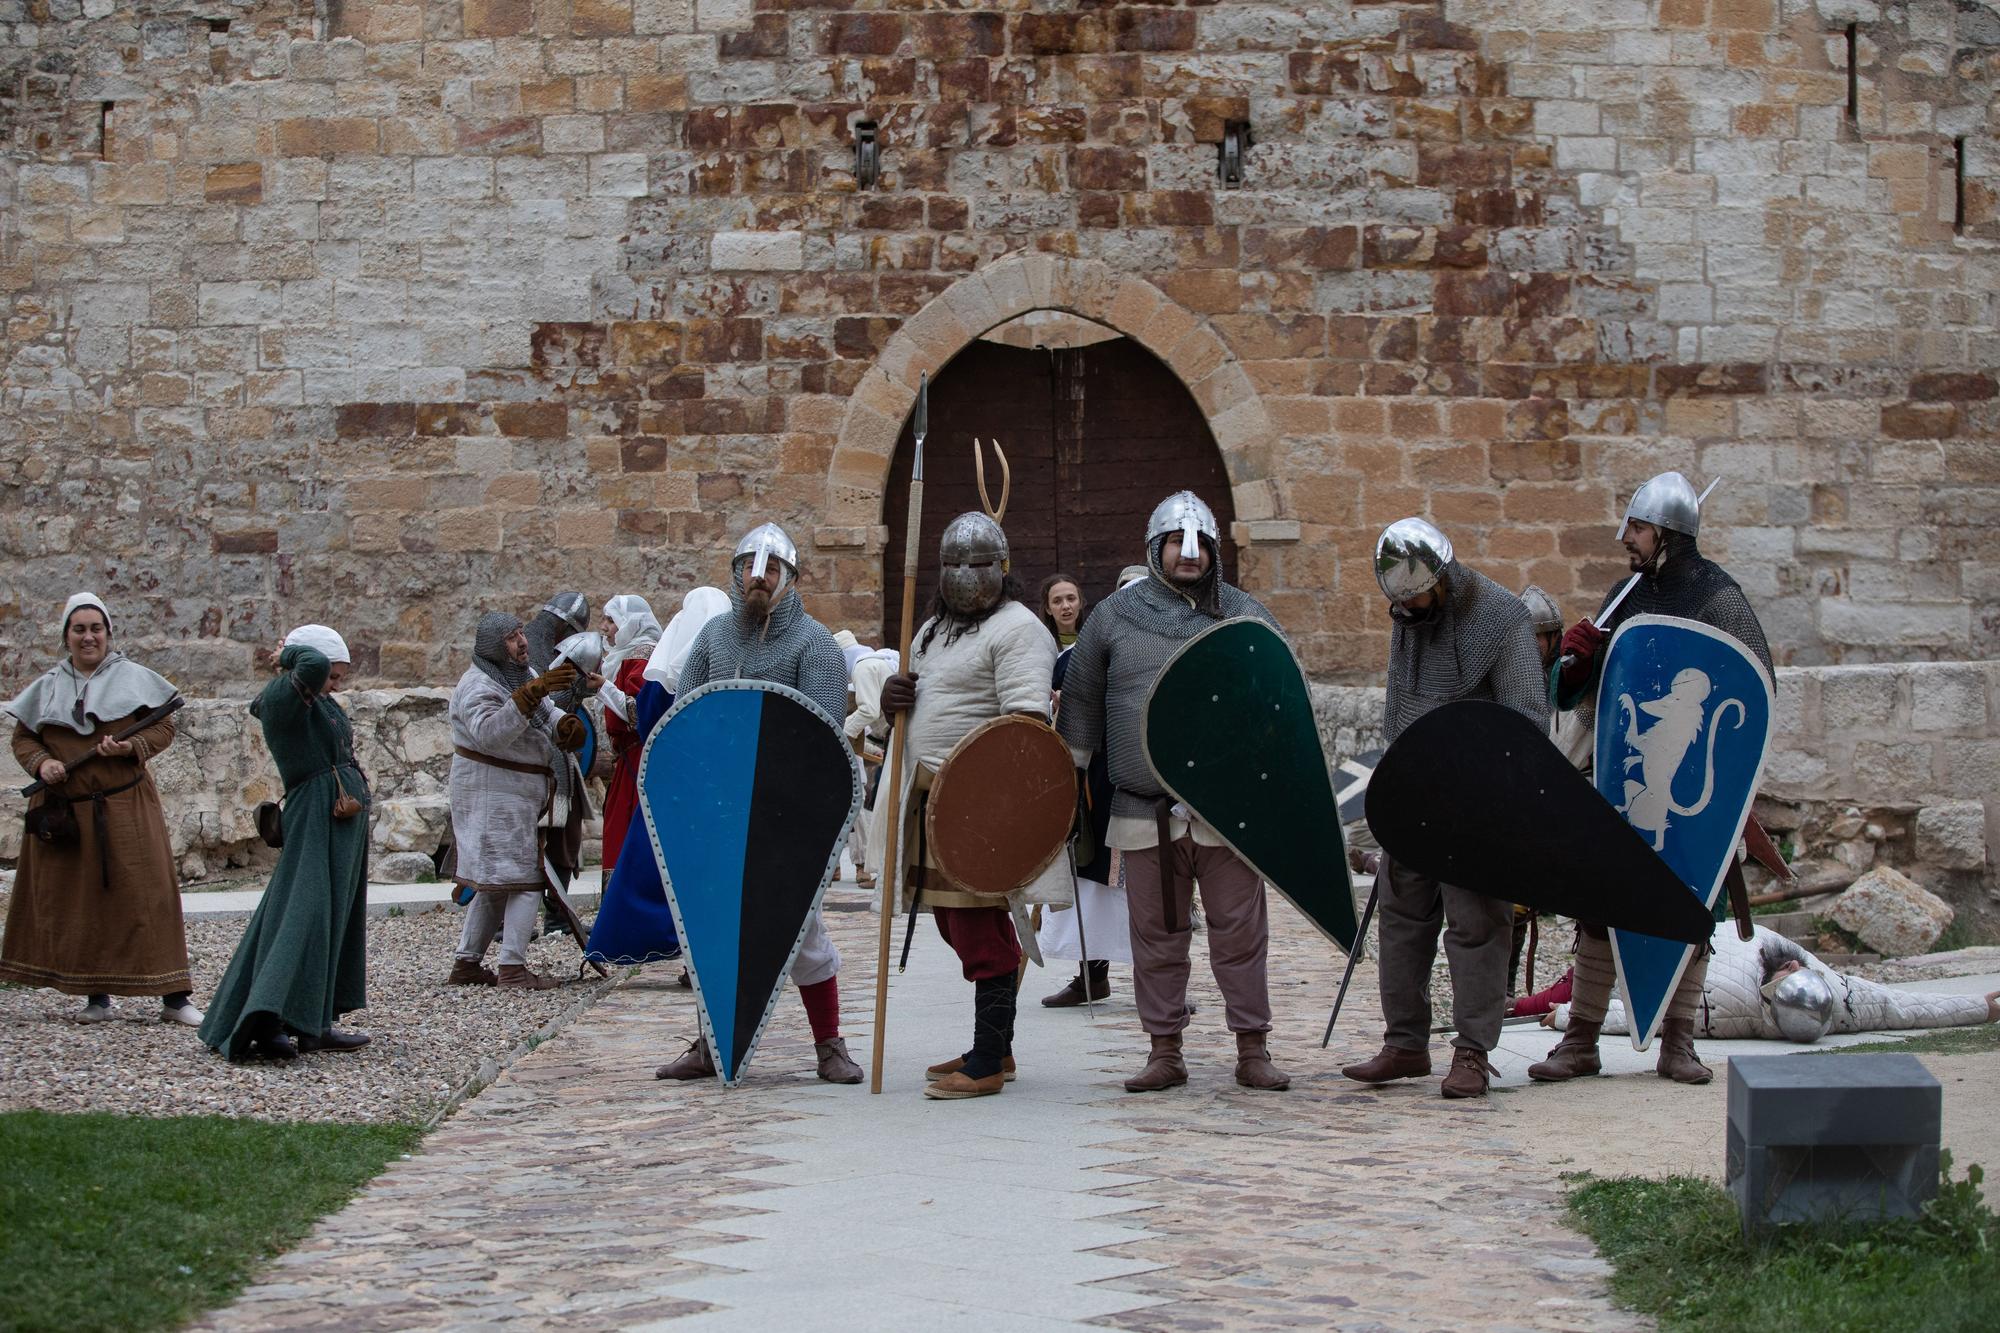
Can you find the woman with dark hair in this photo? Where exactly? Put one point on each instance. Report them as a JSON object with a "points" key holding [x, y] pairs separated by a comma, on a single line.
{"points": [[1060, 601], [96, 909]]}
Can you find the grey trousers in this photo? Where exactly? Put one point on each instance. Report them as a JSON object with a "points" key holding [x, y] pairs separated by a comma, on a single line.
{"points": [[510, 915], [1477, 943]]}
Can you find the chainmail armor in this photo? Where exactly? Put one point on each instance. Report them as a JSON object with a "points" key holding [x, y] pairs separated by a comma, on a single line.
{"points": [[791, 648], [1690, 585], [1127, 640], [1479, 645]]}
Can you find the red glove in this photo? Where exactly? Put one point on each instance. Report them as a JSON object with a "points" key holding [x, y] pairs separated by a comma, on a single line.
{"points": [[899, 694], [1579, 650]]}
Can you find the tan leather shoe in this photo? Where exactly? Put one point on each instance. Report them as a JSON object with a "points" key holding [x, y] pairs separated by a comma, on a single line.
{"points": [[1469, 1073], [1575, 1056], [513, 976], [957, 1062], [1391, 1064], [957, 1087], [1253, 1064], [835, 1065], [465, 972], [694, 1062], [1164, 1067]]}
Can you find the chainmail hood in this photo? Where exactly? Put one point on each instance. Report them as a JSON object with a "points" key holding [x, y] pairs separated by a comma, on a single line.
{"points": [[1479, 645], [1205, 594], [1688, 584], [489, 650]]}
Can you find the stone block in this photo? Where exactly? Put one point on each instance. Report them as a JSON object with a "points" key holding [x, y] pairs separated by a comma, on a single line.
{"points": [[402, 868], [411, 824], [1952, 836], [1891, 913], [1948, 697], [1842, 1141], [778, 251]]}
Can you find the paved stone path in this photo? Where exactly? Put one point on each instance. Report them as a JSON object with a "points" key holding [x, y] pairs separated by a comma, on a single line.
{"points": [[580, 1191]]}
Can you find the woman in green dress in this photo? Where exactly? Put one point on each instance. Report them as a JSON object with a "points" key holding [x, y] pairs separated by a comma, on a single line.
{"points": [[302, 960]]}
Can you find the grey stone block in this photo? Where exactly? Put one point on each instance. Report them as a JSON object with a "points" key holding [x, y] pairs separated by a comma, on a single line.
{"points": [[1845, 1138]]}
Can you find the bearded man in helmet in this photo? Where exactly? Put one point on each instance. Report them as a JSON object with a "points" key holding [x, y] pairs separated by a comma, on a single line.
{"points": [[982, 654], [1660, 535], [1454, 634], [769, 636], [1128, 639]]}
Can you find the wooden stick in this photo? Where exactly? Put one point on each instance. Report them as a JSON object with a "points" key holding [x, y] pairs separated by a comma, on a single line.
{"points": [[892, 868]]}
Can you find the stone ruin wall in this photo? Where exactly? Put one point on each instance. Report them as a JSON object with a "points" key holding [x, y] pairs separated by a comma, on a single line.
{"points": [[387, 313]]}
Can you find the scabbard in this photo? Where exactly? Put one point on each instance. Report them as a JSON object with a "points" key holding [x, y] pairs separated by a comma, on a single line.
{"points": [[1739, 899]]}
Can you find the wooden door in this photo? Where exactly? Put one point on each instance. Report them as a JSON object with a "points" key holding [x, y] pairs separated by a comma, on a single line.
{"points": [[1097, 436]]}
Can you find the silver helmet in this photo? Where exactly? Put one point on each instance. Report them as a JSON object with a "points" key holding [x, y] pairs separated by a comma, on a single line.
{"points": [[1183, 512], [1667, 501], [583, 651], [1543, 613], [1802, 1006], [570, 608], [761, 545], [1410, 558], [973, 561]]}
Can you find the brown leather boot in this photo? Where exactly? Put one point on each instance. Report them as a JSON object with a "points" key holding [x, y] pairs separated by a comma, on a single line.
{"points": [[1164, 1068], [957, 1062], [1069, 997], [835, 1065], [1253, 1064], [1469, 1072], [692, 1063], [1575, 1056], [513, 976], [1677, 1058], [1393, 1063], [466, 972]]}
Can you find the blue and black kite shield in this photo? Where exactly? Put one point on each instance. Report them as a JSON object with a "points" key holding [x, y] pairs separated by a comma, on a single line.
{"points": [[748, 790], [1683, 724]]}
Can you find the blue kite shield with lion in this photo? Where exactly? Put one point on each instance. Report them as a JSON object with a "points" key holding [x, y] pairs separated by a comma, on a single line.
{"points": [[1683, 723]]}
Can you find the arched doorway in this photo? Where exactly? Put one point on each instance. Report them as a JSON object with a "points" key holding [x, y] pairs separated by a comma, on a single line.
{"points": [[1097, 436]]}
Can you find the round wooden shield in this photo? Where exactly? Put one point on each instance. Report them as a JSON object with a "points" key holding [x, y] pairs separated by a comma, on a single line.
{"points": [[1001, 807]]}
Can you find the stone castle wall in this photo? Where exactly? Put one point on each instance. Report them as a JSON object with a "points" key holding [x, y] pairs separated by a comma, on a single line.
{"points": [[387, 313]]}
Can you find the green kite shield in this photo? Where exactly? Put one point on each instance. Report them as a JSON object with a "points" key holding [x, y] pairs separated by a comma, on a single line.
{"points": [[1230, 732]]}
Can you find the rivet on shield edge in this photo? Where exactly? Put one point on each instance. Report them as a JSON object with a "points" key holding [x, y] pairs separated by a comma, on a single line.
{"points": [[1190, 763], [1241, 824], [1215, 698]]}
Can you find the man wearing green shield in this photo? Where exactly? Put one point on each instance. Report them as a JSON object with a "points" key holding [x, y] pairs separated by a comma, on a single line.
{"points": [[1128, 639]]}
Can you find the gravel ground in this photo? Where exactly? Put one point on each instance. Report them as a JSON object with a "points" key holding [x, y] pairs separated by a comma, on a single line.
{"points": [[429, 1038]]}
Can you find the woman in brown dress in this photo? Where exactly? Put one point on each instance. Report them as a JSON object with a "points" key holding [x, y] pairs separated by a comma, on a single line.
{"points": [[96, 909]]}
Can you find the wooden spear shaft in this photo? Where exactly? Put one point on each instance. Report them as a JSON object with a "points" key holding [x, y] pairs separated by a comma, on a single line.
{"points": [[892, 865]]}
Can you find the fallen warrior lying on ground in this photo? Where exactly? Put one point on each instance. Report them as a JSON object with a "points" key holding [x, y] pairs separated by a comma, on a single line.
{"points": [[1736, 1003]]}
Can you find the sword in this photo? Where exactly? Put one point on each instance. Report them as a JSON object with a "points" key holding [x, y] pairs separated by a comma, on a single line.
{"points": [[152, 719], [1353, 956]]}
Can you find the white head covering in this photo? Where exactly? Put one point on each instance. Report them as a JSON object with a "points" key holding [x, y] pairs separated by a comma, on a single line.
{"points": [[700, 606], [637, 630], [81, 599], [321, 640]]}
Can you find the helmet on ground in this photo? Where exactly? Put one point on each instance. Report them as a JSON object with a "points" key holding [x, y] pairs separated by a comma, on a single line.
{"points": [[1802, 1005]]}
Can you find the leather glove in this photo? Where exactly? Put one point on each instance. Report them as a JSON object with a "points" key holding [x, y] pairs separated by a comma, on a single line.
{"points": [[542, 686], [899, 693], [1580, 645], [569, 734]]}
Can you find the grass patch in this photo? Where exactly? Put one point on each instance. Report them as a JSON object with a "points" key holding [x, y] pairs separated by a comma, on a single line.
{"points": [[132, 1223], [1943, 1041], [1679, 1256]]}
